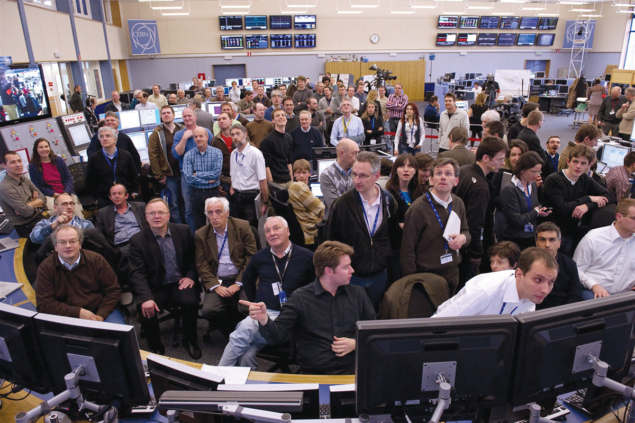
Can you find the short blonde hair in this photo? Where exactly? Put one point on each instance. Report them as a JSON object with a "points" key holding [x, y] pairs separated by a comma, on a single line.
{"points": [[301, 164]]}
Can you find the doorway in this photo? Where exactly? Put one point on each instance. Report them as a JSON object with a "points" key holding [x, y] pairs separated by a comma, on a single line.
{"points": [[224, 72], [538, 66]]}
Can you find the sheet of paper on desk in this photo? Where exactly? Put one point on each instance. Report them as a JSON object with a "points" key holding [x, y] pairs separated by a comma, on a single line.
{"points": [[233, 375], [7, 288]]}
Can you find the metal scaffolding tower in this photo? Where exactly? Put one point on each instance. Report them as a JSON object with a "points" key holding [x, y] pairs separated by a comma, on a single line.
{"points": [[579, 35]]}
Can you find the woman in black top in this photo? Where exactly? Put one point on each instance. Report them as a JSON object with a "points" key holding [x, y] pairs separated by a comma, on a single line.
{"points": [[475, 112], [516, 149], [373, 125]]}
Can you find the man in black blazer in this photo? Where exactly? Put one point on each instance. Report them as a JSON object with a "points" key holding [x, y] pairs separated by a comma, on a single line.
{"points": [[162, 273], [123, 141], [116, 105], [120, 221]]}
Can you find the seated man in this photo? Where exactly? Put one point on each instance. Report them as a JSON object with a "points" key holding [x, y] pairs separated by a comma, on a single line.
{"points": [[618, 179], [567, 288], [277, 280], [503, 256], [122, 220], [606, 256], [75, 283], [307, 208], [162, 272], [63, 206], [324, 338], [19, 197], [223, 251], [508, 292]]}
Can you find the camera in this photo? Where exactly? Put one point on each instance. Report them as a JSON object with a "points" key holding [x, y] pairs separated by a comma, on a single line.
{"points": [[381, 76]]}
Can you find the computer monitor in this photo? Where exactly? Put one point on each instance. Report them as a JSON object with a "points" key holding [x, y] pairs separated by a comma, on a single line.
{"points": [[463, 105], [178, 112], [613, 155], [374, 148], [553, 343], [316, 190], [561, 82], [109, 353], [168, 375], [541, 74], [20, 355], [563, 89], [323, 153], [79, 135], [398, 363], [150, 117], [139, 139], [342, 400], [129, 119], [468, 84], [537, 82], [323, 164], [214, 108], [607, 77]]}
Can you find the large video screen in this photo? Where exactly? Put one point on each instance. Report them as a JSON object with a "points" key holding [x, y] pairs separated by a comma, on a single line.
{"points": [[548, 23], [255, 22], [447, 22], [446, 40], [279, 22], [526, 40], [509, 22], [230, 23], [507, 39], [466, 39], [529, 22], [545, 39], [257, 41], [486, 39], [22, 95], [281, 41], [489, 22], [468, 22], [304, 40], [231, 42], [304, 21]]}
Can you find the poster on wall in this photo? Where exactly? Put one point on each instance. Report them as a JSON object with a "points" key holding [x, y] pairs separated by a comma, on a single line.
{"points": [[579, 32], [144, 36]]}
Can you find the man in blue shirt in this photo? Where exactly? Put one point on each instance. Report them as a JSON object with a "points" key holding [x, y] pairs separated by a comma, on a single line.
{"points": [[431, 112], [63, 207]]}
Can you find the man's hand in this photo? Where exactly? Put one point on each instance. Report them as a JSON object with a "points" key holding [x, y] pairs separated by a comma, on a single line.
{"points": [[599, 292], [458, 240], [187, 134], [263, 209], [343, 346], [99, 318], [418, 147], [185, 283], [396, 152], [233, 289], [600, 123], [163, 180], [601, 201], [149, 309], [86, 315], [223, 292], [220, 188], [257, 311], [231, 191], [579, 211]]}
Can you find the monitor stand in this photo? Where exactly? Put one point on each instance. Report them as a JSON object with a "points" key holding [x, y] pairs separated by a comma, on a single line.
{"points": [[600, 380], [72, 392]]}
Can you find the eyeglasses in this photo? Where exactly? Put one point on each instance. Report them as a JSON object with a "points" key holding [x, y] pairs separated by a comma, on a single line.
{"points": [[63, 243], [158, 213], [360, 175]]}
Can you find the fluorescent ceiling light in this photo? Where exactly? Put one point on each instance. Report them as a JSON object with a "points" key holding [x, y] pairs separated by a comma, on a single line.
{"points": [[149, 1], [291, 12], [502, 13], [575, 3], [626, 11], [582, 10], [453, 13], [402, 12], [165, 7], [533, 8], [623, 4], [547, 14], [424, 7], [480, 7], [363, 5], [349, 12], [591, 16], [175, 14], [514, 1]]}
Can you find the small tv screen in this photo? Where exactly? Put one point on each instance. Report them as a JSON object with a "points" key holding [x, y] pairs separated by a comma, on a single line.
{"points": [[304, 40], [548, 23], [230, 23], [255, 22], [506, 39], [281, 41], [526, 39], [447, 22], [304, 21], [23, 95], [486, 39], [529, 22], [468, 22], [466, 40], [509, 22], [545, 39], [446, 40], [257, 41], [489, 22], [231, 42], [279, 22]]}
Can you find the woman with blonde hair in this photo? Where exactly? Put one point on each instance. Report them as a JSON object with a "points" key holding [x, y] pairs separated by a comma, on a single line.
{"points": [[372, 97], [475, 112]]}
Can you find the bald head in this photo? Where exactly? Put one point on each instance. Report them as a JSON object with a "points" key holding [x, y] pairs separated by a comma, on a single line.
{"points": [[616, 92], [346, 153], [200, 138]]}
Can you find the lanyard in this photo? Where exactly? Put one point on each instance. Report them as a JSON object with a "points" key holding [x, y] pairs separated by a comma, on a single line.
{"points": [[405, 198], [114, 169], [503, 308], [222, 246], [372, 123], [345, 124], [614, 103], [554, 160], [372, 231], [275, 263], [528, 198], [434, 209], [243, 158]]}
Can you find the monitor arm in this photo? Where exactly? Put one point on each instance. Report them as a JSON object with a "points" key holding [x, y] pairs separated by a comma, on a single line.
{"points": [[444, 399], [239, 412], [600, 380]]}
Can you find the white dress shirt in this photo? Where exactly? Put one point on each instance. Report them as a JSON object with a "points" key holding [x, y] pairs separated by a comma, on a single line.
{"points": [[410, 134], [603, 257], [489, 293], [247, 169], [226, 267], [372, 211], [148, 105], [354, 127]]}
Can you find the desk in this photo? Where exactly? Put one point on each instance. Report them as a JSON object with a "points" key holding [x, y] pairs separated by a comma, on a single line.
{"points": [[547, 102]]}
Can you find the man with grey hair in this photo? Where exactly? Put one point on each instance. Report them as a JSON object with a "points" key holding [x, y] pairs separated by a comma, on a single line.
{"points": [[77, 283], [237, 117], [607, 116], [272, 276], [366, 219], [348, 126], [180, 97], [135, 100], [318, 94], [203, 118], [223, 251], [220, 95], [144, 102], [627, 114], [123, 141], [116, 105], [207, 95], [276, 103]]}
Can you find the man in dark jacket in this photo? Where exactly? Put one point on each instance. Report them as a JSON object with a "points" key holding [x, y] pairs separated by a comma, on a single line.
{"points": [[122, 219], [528, 134], [76, 102], [116, 105], [515, 129], [123, 141]]}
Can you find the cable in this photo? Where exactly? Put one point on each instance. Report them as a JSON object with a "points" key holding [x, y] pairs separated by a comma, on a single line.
{"points": [[17, 399]]}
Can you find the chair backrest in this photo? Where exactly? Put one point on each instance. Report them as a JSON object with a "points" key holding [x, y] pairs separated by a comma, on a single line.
{"points": [[78, 172], [415, 296], [285, 209], [257, 237]]}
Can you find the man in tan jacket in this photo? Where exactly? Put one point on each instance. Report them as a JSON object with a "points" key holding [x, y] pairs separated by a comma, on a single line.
{"points": [[627, 114]]}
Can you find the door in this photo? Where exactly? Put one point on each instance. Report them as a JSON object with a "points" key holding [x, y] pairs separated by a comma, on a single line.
{"points": [[537, 66], [65, 85], [223, 72]]}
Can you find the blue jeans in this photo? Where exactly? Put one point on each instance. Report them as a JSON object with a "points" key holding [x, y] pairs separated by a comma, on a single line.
{"points": [[405, 149], [116, 317], [375, 286], [244, 343], [186, 191], [173, 187], [587, 294]]}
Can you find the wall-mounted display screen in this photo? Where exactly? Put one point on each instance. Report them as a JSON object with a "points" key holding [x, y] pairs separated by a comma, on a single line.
{"points": [[526, 39], [255, 22], [304, 40], [280, 22], [545, 39], [468, 22], [509, 22], [257, 41], [486, 39], [489, 22], [304, 21], [447, 22], [230, 23], [446, 40], [231, 42], [466, 40], [548, 23], [506, 39], [23, 94], [529, 22], [281, 41]]}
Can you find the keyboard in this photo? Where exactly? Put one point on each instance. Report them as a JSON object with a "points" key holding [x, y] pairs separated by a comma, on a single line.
{"points": [[145, 409], [557, 413], [577, 401], [5, 226]]}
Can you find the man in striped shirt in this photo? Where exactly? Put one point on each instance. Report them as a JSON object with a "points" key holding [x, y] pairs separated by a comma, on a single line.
{"points": [[396, 105], [618, 179]]}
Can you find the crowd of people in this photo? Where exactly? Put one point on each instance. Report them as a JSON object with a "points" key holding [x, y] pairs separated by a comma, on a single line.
{"points": [[510, 226]]}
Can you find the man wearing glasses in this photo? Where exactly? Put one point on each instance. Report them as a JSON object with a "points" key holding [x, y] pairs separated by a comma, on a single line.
{"points": [[63, 207], [163, 274]]}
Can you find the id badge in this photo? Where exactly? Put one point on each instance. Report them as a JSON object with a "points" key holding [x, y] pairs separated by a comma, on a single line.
{"points": [[283, 297], [446, 258], [529, 228], [277, 287], [612, 112], [373, 141]]}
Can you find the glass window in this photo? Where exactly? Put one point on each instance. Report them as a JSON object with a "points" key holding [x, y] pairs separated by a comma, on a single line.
{"points": [[46, 3]]}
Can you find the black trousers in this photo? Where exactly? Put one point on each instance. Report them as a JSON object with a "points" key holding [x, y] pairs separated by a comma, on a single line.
{"points": [[197, 200], [171, 296], [243, 206], [25, 230]]}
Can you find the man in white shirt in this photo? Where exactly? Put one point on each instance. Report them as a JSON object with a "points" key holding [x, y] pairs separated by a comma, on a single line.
{"points": [[354, 100], [347, 126], [450, 118], [606, 256], [157, 98], [144, 104], [116, 105], [506, 292]]}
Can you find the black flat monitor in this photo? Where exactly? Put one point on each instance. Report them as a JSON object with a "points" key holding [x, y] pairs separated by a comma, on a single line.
{"points": [[109, 353], [486, 39], [230, 23], [168, 375], [281, 41], [279, 22], [446, 40], [253, 22], [466, 39], [398, 363], [342, 400], [468, 84], [545, 40], [231, 42], [257, 41], [304, 40], [20, 355], [548, 23], [374, 148], [489, 22], [23, 94], [320, 153], [607, 77], [537, 83], [304, 21], [509, 22], [541, 74], [448, 22], [507, 39], [563, 89], [552, 345], [561, 82], [529, 22], [468, 22], [526, 40]]}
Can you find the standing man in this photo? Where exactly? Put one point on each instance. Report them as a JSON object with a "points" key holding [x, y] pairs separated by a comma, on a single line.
{"points": [[319, 91], [144, 104], [258, 128], [627, 114], [276, 103], [347, 126], [528, 133], [157, 98], [7, 98], [180, 97], [165, 167], [203, 118], [276, 149], [350, 94], [262, 98], [246, 105], [458, 148], [324, 104], [220, 95], [123, 141], [116, 105], [248, 175], [395, 105], [223, 141], [551, 164], [383, 100], [451, 118], [336, 101], [232, 111], [301, 95], [431, 113], [318, 120], [607, 116], [360, 94], [424, 248], [305, 138], [292, 119], [76, 102], [365, 218], [336, 179]]}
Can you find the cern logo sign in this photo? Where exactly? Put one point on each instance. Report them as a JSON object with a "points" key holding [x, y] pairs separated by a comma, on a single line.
{"points": [[144, 37]]}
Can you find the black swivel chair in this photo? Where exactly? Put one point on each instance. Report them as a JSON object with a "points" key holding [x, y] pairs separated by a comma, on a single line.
{"points": [[279, 200], [78, 172]]}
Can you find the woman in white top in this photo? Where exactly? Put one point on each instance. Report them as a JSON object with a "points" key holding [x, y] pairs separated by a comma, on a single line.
{"points": [[234, 92], [410, 131]]}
